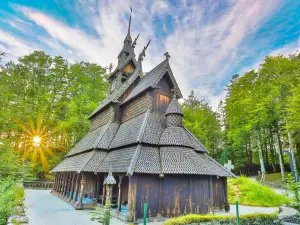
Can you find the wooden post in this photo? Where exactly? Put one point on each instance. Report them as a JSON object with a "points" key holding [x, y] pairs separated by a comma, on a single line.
{"points": [[119, 194], [62, 183], [132, 198], [55, 182], [83, 181], [97, 186], [77, 186], [211, 194], [108, 193], [66, 185], [227, 206], [103, 192], [160, 198], [72, 187]]}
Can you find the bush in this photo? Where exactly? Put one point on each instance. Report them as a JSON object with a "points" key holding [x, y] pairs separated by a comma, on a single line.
{"points": [[294, 187], [252, 193], [202, 219], [11, 195]]}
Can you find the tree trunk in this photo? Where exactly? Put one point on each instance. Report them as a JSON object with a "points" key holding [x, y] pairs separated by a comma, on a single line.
{"points": [[261, 160], [272, 149], [293, 155], [298, 151], [280, 157], [250, 152]]}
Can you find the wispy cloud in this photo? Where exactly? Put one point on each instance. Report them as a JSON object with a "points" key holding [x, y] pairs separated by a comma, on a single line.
{"points": [[207, 40]]}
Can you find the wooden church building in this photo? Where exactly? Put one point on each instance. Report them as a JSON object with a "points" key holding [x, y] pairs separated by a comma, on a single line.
{"points": [[138, 135]]}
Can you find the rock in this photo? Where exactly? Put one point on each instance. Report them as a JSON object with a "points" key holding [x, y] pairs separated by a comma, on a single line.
{"points": [[286, 211], [18, 219]]}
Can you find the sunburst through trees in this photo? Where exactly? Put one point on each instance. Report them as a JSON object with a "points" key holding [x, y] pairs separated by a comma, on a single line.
{"points": [[39, 142]]}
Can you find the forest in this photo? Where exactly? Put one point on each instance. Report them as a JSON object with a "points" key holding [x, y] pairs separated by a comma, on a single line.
{"points": [[49, 97]]}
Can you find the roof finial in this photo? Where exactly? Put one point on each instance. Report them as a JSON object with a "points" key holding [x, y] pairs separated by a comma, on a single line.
{"points": [[167, 56], [134, 42], [143, 53], [129, 20]]}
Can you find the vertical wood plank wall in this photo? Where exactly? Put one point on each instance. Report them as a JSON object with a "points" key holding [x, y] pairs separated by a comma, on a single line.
{"points": [[180, 194]]}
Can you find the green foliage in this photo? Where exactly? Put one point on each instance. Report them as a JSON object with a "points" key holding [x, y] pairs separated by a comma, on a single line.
{"points": [[202, 121], [252, 193], [41, 93], [244, 219], [102, 215], [11, 195], [258, 106], [294, 187], [9, 162]]}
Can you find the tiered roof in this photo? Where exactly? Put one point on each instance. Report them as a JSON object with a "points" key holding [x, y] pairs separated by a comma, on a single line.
{"points": [[148, 141]]}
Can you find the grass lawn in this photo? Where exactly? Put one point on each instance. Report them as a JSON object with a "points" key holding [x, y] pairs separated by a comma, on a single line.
{"points": [[275, 178], [252, 193]]}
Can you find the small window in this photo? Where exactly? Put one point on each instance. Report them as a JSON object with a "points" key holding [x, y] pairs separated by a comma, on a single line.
{"points": [[162, 103]]}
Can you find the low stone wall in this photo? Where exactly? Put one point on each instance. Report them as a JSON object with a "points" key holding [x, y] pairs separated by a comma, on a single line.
{"points": [[19, 217]]}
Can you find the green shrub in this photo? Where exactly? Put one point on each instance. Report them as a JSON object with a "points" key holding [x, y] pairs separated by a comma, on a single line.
{"points": [[11, 195], [195, 218], [253, 193], [294, 187]]}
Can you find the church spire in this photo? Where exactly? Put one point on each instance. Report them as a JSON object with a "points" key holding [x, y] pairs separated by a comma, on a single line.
{"points": [[128, 36], [129, 21]]}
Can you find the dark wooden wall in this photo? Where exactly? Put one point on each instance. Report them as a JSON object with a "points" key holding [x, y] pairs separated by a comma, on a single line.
{"points": [[176, 195], [90, 186]]}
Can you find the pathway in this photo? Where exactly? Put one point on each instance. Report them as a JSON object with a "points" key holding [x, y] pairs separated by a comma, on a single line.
{"points": [[42, 208]]}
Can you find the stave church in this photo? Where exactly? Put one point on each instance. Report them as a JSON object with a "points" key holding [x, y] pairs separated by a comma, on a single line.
{"points": [[136, 138]]}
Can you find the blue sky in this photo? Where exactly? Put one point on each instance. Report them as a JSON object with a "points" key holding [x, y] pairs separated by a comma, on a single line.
{"points": [[208, 40]]}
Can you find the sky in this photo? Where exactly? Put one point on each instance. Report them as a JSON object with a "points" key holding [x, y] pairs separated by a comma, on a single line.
{"points": [[208, 40]]}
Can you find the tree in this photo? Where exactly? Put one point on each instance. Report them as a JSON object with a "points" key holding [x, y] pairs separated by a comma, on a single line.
{"points": [[48, 99]]}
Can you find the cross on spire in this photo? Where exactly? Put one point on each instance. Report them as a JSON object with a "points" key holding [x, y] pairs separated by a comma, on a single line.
{"points": [[167, 56], [129, 21]]}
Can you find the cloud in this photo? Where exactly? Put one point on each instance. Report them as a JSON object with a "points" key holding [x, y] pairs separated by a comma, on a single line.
{"points": [[206, 39], [14, 46]]}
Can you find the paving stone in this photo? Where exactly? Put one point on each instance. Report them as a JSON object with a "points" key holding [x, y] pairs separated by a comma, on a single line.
{"points": [[286, 211]]}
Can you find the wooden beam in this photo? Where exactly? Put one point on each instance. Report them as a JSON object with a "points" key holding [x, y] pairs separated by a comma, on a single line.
{"points": [[82, 184], [160, 198], [77, 186], [72, 187], [103, 192], [132, 198], [211, 194], [227, 206], [119, 194], [97, 186], [66, 185], [63, 183]]}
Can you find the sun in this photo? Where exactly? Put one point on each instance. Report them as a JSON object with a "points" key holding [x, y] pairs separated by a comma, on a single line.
{"points": [[39, 142], [36, 140]]}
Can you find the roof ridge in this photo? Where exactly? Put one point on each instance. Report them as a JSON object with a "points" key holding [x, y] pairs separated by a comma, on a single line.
{"points": [[195, 139], [133, 161], [101, 136], [141, 134], [106, 153], [86, 162], [156, 67], [213, 160]]}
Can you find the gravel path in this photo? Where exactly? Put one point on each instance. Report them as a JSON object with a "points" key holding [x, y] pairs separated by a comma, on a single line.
{"points": [[42, 208], [243, 210]]}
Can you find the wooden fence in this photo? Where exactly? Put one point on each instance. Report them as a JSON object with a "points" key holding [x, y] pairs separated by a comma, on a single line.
{"points": [[38, 184]]}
